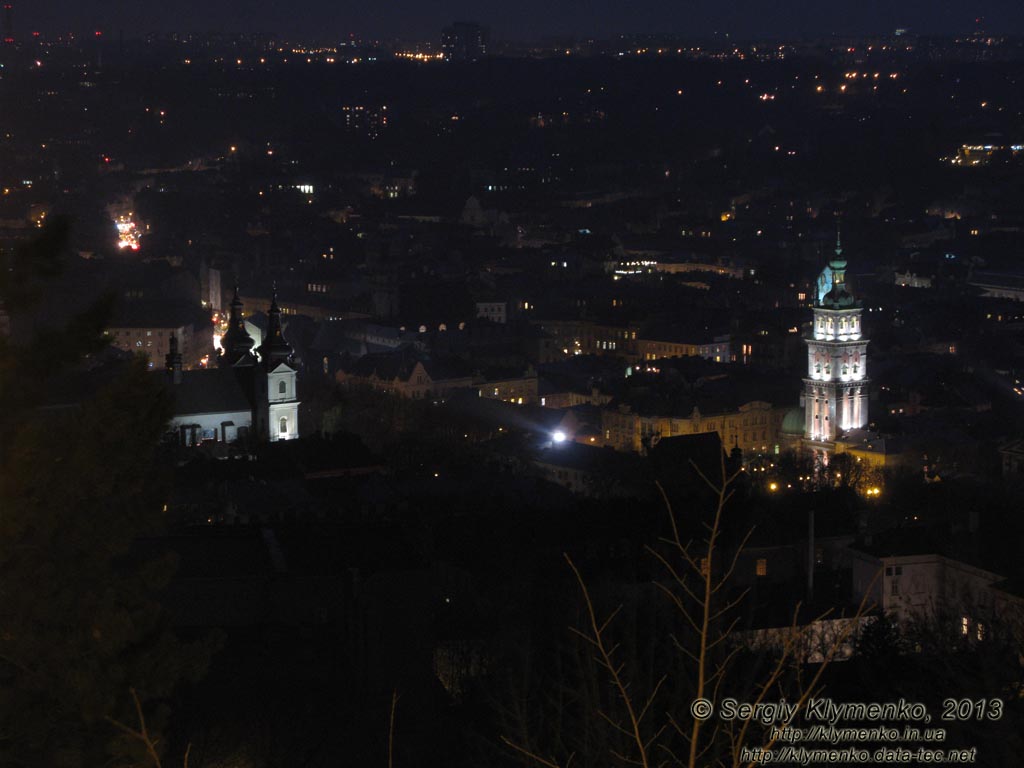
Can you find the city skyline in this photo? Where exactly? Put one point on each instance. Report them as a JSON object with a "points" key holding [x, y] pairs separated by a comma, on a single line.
{"points": [[551, 409], [746, 19]]}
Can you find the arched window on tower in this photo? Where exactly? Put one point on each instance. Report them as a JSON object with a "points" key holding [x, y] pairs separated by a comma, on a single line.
{"points": [[284, 425], [282, 388]]}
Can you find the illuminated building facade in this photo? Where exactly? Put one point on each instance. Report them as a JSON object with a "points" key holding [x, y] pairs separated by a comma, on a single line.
{"points": [[146, 327], [154, 340], [585, 337], [518, 390], [752, 427], [836, 386]]}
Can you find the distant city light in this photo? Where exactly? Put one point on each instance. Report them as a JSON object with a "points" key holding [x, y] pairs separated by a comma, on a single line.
{"points": [[127, 232], [415, 56]]}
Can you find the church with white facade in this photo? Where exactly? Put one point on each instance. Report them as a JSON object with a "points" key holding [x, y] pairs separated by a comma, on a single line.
{"points": [[250, 394]]}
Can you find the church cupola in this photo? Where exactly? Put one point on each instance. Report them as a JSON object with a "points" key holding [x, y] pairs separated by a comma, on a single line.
{"points": [[237, 344], [274, 348], [838, 296]]}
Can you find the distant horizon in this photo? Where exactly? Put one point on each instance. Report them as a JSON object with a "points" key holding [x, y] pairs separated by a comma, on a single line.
{"points": [[528, 21], [109, 35]]}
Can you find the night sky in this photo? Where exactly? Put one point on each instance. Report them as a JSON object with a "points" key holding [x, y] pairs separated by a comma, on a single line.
{"points": [[522, 19]]}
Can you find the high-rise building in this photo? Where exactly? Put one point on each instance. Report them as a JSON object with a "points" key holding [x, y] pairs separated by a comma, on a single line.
{"points": [[464, 41], [366, 120], [8, 23], [836, 387]]}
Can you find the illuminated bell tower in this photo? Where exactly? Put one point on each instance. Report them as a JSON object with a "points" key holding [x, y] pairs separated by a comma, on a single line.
{"points": [[278, 414], [836, 387]]}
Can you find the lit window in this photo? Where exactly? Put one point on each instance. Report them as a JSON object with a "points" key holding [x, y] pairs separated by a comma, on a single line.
{"points": [[284, 426], [703, 566], [965, 626], [761, 567]]}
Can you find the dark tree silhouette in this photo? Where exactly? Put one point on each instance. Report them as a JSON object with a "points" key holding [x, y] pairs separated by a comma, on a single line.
{"points": [[81, 625]]}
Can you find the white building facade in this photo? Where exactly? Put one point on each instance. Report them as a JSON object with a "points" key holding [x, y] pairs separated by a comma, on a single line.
{"points": [[282, 415]]}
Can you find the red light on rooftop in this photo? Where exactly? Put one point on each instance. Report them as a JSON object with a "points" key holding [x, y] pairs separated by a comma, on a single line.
{"points": [[35, 34], [98, 33], [106, 159]]}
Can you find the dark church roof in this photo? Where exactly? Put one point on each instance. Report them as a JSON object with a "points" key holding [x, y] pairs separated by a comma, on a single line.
{"points": [[400, 364], [210, 390]]}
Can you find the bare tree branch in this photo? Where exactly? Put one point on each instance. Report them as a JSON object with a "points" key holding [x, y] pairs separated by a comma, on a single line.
{"points": [[142, 734], [617, 680]]}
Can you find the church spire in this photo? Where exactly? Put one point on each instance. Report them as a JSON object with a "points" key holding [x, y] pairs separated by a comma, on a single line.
{"points": [[174, 361], [274, 348], [838, 262], [237, 343]]}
